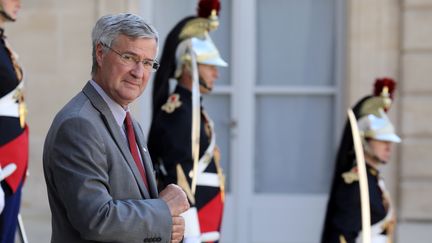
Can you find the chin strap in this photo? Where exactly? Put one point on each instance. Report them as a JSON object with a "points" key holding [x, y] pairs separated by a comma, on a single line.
{"points": [[370, 152], [204, 84], [6, 16]]}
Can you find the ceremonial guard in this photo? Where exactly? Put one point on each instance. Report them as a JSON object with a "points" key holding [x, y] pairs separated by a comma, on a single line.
{"points": [[13, 128], [343, 222], [182, 137]]}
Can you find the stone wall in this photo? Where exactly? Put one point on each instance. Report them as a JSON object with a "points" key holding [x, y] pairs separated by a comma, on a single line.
{"points": [[384, 38], [394, 38], [415, 184], [373, 51]]}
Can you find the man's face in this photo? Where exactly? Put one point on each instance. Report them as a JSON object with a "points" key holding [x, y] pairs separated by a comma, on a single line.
{"points": [[11, 7], [208, 74], [122, 81], [382, 149]]}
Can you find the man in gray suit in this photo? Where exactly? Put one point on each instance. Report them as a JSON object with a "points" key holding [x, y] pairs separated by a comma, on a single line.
{"points": [[101, 185]]}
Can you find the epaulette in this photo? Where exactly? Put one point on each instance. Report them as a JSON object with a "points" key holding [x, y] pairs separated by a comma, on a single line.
{"points": [[172, 103], [373, 171], [351, 176]]}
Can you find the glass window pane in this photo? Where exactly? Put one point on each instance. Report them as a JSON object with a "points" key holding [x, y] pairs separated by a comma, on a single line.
{"points": [[167, 14], [294, 144], [218, 108], [296, 41]]}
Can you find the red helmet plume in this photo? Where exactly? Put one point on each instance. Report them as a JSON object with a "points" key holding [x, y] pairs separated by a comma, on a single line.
{"points": [[205, 7], [380, 83]]}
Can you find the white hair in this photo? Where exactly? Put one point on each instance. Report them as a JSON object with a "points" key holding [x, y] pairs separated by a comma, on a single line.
{"points": [[109, 27]]}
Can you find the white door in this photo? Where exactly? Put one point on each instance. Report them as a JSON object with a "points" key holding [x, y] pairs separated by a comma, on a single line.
{"points": [[285, 79], [276, 110]]}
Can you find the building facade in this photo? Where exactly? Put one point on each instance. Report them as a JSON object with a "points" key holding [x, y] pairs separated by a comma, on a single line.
{"points": [[295, 67]]}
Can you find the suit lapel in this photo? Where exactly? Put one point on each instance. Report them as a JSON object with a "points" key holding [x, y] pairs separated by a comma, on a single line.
{"points": [[115, 132]]}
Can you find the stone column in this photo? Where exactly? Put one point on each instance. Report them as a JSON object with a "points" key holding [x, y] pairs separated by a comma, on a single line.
{"points": [[415, 116], [373, 32]]}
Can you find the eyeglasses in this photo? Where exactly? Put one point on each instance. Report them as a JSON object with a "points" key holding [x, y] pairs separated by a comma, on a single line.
{"points": [[131, 60]]}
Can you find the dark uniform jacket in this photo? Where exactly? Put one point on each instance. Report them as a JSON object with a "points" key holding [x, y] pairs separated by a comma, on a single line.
{"points": [[170, 144], [13, 137], [344, 209]]}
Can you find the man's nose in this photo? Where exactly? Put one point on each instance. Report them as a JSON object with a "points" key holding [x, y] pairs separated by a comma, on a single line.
{"points": [[138, 70]]}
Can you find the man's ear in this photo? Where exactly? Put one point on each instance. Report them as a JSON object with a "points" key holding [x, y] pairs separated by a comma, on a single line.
{"points": [[99, 53]]}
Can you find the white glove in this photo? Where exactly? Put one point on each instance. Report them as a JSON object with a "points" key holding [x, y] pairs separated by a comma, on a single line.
{"points": [[192, 229], [7, 171], [210, 236]]}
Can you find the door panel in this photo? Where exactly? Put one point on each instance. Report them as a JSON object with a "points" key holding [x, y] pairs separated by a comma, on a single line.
{"points": [[292, 148], [296, 42], [295, 104], [287, 219]]}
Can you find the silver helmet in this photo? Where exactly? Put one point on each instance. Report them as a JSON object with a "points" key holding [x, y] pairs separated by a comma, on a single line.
{"points": [[204, 49], [378, 128]]}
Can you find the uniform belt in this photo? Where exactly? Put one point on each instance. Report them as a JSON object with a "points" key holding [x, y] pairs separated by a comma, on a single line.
{"points": [[208, 179], [9, 105]]}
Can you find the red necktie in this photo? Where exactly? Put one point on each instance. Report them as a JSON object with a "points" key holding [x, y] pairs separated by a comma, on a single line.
{"points": [[134, 148]]}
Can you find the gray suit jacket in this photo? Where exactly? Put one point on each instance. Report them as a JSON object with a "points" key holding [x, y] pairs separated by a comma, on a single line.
{"points": [[95, 190]]}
